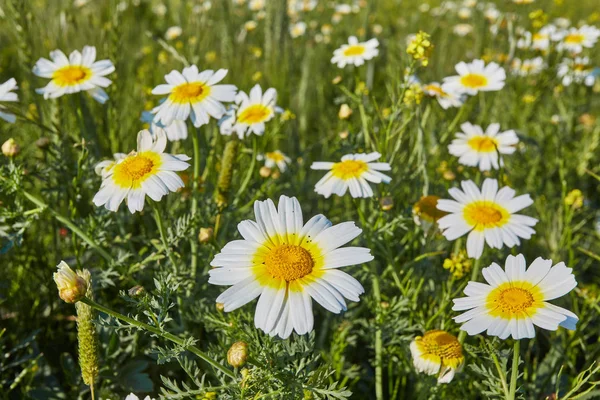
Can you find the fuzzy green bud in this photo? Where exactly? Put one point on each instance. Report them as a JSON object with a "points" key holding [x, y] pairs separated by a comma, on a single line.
{"points": [[227, 166], [87, 335], [237, 354]]}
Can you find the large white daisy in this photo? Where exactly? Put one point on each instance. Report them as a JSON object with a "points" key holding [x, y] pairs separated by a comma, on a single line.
{"points": [[193, 94], [286, 263], [475, 77], [488, 216], [251, 112], [515, 299], [6, 94], [474, 147], [80, 72], [355, 53], [574, 40], [353, 172], [149, 171]]}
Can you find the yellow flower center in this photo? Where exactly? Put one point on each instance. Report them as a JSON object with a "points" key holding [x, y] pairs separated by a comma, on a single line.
{"points": [[436, 89], [514, 300], [483, 144], [574, 38], [354, 50], [190, 92], [484, 214], [254, 114], [441, 347], [135, 169], [275, 156], [539, 36], [289, 262], [71, 75], [426, 208], [474, 81], [349, 169], [580, 67]]}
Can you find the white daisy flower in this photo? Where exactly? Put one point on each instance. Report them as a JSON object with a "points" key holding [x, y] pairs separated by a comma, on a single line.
{"points": [[177, 130], [445, 99], [103, 168], [149, 171], [574, 40], [532, 66], [475, 77], [541, 39], [516, 299], [437, 353], [276, 158], [286, 263], [250, 113], [474, 147], [6, 94], [577, 70], [353, 172], [80, 72], [298, 29], [355, 53], [193, 94], [488, 216]]}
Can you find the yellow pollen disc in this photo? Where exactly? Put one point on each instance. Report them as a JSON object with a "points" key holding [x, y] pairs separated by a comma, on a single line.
{"points": [[135, 169], [289, 262], [580, 67], [539, 36], [436, 89], [426, 208], [441, 347], [254, 114], [190, 92], [574, 38], [514, 300], [484, 214], [276, 157], [474, 81], [349, 169], [483, 144], [354, 50], [71, 75]]}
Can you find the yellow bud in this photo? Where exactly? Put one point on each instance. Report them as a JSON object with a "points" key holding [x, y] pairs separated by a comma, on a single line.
{"points": [[11, 148], [345, 112], [237, 354], [265, 172], [205, 234], [71, 287]]}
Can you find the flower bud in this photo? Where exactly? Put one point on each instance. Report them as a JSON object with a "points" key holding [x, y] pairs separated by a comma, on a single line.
{"points": [[345, 111], [71, 287], [220, 307], [205, 235], [237, 354], [136, 291], [265, 172], [10, 148], [387, 203]]}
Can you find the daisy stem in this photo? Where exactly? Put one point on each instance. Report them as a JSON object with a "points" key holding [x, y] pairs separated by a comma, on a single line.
{"points": [[160, 333], [194, 210], [163, 234], [514, 373]]}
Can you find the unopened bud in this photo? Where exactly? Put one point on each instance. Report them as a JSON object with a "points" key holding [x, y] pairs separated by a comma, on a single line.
{"points": [[345, 111], [136, 291], [205, 234], [265, 172], [220, 307], [387, 203], [42, 143], [237, 354], [10, 148], [71, 287]]}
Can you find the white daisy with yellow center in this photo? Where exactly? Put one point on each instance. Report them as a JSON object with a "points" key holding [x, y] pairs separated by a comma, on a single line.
{"points": [[147, 171], [193, 94], [475, 77], [541, 39], [250, 113], [353, 172], [528, 67], [474, 147], [574, 40], [80, 72], [445, 99], [6, 94], [488, 216], [576, 70], [276, 158], [437, 353], [515, 299], [286, 263], [355, 52]]}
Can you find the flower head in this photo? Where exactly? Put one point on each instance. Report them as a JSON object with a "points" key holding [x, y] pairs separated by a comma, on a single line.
{"points": [[193, 94], [276, 158], [7, 94], [458, 264], [437, 353], [80, 72], [352, 173], [420, 48], [425, 211], [475, 77], [287, 262], [488, 216], [528, 67], [355, 52], [147, 171], [574, 40], [576, 70], [515, 299], [237, 354], [445, 99], [71, 287], [474, 147], [250, 113]]}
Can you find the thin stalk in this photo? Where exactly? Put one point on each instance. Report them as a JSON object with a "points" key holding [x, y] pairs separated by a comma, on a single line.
{"points": [[514, 373], [250, 171], [70, 224], [196, 174], [163, 234], [500, 374], [160, 333]]}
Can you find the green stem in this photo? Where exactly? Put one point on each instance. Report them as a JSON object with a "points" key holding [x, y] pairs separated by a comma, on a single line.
{"points": [[514, 373], [196, 174], [250, 171], [40, 203], [158, 332], [163, 234], [501, 374]]}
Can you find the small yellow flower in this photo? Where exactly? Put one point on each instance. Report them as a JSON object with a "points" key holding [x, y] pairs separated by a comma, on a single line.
{"points": [[458, 264], [163, 57], [256, 52], [288, 115], [574, 199], [528, 98], [210, 56], [420, 48], [237, 354], [413, 95], [250, 26], [257, 76], [71, 287]]}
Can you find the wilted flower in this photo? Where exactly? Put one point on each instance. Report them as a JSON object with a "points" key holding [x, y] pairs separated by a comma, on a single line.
{"points": [[237, 354], [437, 353], [71, 287], [11, 148]]}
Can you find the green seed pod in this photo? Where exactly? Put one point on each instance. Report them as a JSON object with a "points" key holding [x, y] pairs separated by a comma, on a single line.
{"points": [[87, 335], [227, 166]]}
